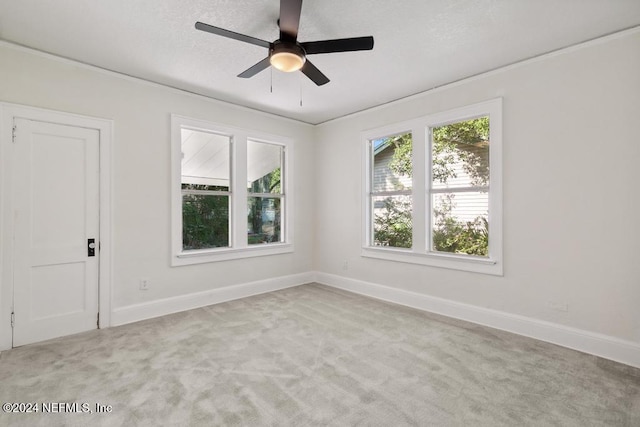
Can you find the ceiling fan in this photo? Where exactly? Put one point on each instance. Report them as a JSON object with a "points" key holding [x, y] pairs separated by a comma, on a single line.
{"points": [[287, 53]]}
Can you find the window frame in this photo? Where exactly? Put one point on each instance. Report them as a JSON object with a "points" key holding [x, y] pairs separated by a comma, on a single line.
{"points": [[238, 195], [421, 252]]}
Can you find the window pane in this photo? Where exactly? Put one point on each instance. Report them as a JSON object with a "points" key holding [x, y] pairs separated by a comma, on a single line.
{"points": [[264, 225], [461, 154], [205, 159], [392, 221], [392, 169], [205, 221], [460, 223], [264, 167]]}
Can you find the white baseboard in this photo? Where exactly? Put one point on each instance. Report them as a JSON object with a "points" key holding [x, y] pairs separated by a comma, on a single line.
{"points": [[605, 346], [157, 308]]}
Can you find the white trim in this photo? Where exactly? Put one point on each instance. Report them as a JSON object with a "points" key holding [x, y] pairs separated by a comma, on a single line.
{"points": [[600, 345], [162, 307], [8, 112], [226, 254], [239, 247], [432, 259], [421, 252]]}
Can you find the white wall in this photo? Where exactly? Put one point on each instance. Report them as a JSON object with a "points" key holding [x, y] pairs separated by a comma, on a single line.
{"points": [[571, 198], [571, 170], [141, 170]]}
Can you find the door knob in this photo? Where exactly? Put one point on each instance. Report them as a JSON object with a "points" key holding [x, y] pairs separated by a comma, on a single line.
{"points": [[91, 247]]}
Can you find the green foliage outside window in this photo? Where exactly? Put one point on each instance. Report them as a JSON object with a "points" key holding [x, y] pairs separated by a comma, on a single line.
{"points": [[461, 138], [205, 218], [453, 236], [393, 225], [264, 213]]}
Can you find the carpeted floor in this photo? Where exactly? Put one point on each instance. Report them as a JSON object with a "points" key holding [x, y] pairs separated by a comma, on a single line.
{"points": [[313, 356]]}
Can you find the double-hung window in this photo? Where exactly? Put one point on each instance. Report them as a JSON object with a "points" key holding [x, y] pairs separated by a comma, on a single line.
{"points": [[434, 191], [230, 195], [205, 186], [391, 191], [265, 196]]}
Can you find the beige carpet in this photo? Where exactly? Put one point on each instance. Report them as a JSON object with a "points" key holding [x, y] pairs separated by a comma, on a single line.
{"points": [[313, 356]]}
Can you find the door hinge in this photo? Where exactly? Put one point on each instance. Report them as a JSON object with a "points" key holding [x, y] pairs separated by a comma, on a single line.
{"points": [[13, 134], [13, 319]]}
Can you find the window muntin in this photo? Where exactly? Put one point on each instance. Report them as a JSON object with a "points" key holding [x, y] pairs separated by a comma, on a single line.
{"points": [[205, 186], [265, 196], [459, 187], [456, 193]]}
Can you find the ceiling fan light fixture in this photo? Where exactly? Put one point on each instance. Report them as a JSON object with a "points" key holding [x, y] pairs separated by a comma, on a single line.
{"points": [[287, 57], [287, 53], [287, 61]]}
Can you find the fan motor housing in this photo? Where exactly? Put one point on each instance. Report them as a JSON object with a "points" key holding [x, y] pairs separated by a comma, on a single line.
{"points": [[287, 56]]}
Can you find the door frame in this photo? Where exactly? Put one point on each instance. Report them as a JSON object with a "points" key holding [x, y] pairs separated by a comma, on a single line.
{"points": [[8, 112]]}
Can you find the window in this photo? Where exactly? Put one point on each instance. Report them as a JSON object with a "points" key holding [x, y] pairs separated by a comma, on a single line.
{"points": [[264, 167], [460, 187], [434, 190], [205, 183], [214, 215], [391, 191]]}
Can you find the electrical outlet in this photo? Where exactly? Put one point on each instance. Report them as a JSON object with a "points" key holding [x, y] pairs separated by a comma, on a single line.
{"points": [[345, 265], [144, 284]]}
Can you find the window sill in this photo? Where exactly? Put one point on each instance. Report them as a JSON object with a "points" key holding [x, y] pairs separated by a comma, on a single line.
{"points": [[227, 254], [450, 261]]}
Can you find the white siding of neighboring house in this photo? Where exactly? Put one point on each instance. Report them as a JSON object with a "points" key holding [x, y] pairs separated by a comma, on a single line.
{"points": [[383, 177], [467, 206]]}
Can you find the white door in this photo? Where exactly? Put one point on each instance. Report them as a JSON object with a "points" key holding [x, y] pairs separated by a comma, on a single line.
{"points": [[56, 199]]}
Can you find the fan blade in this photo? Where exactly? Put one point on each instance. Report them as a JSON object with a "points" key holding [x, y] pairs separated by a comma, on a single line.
{"points": [[314, 74], [232, 35], [289, 19], [252, 71], [338, 45]]}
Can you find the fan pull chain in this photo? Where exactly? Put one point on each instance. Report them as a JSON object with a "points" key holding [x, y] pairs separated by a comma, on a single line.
{"points": [[300, 81], [271, 73]]}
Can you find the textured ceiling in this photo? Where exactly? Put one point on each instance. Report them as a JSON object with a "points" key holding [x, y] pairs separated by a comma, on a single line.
{"points": [[419, 44]]}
